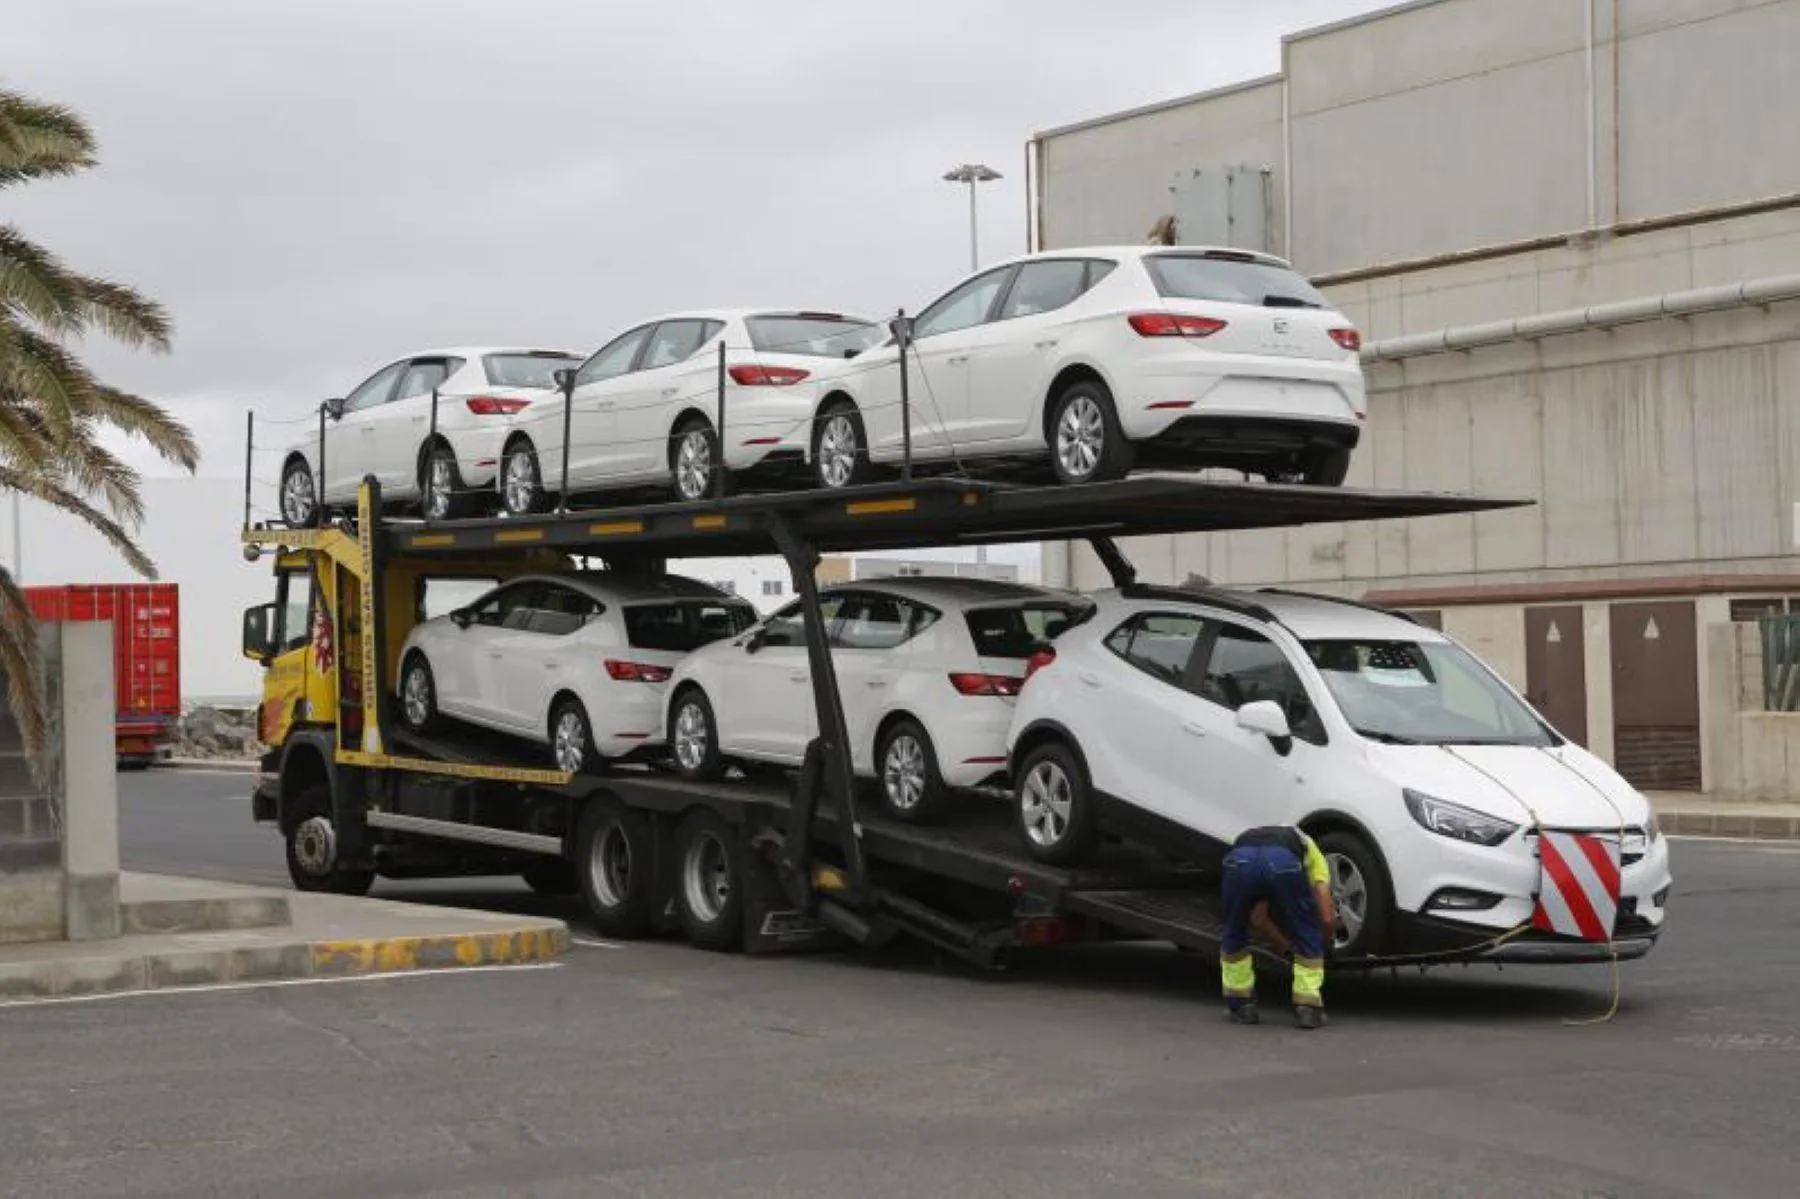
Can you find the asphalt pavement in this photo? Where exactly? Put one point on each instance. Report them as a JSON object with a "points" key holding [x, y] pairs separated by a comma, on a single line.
{"points": [[652, 1069]]}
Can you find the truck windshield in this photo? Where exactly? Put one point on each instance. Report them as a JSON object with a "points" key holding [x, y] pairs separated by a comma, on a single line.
{"points": [[1423, 693], [686, 625]]}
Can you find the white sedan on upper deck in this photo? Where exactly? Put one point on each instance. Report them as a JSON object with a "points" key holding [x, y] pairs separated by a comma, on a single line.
{"points": [[1109, 357], [384, 428], [646, 406]]}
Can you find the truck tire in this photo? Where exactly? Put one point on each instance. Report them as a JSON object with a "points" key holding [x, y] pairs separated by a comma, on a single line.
{"points": [[615, 866], [1053, 806], [709, 882], [912, 790], [551, 877], [312, 846], [1359, 883]]}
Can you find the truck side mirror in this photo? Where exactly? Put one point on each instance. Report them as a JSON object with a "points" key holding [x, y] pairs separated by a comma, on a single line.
{"points": [[259, 632]]}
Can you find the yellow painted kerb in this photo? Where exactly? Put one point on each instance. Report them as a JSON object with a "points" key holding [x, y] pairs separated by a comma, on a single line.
{"points": [[391, 955]]}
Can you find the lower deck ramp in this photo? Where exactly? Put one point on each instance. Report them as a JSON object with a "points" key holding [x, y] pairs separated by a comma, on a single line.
{"points": [[1189, 917]]}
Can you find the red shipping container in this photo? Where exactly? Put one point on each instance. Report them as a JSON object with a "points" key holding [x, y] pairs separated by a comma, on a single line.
{"points": [[146, 620]]}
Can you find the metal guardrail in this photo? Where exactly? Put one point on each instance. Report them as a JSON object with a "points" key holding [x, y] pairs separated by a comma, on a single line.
{"points": [[1781, 663]]}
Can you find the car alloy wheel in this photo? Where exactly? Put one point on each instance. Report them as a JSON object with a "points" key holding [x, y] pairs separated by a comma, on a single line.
{"points": [[1046, 802], [417, 695], [1080, 437], [520, 485], [691, 736], [694, 463], [837, 450], [440, 485], [571, 741], [1350, 895], [903, 772], [297, 499], [706, 876]]}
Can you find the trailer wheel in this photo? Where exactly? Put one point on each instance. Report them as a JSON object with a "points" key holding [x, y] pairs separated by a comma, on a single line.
{"points": [[709, 878], [552, 876], [1361, 892], [694, 737], [312, 849], [911, 787], [1054, 805], [615, 867]]}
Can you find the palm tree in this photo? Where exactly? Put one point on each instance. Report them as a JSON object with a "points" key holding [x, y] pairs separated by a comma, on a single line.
{"points": [[52, 409]]}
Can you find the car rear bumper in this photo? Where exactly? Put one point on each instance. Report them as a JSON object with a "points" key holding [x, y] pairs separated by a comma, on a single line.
{"points": [[1246, 442]]}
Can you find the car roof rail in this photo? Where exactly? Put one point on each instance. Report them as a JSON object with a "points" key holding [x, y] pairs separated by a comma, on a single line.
{"points": [[1228, 600], [1346, 601]]}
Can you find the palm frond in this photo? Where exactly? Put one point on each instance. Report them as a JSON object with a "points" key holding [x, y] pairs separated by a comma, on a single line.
{"points": [[24, 667], [142, 418], [41, 141], [24, 442], [93, 470], [123, 314], [33, 366], [35, 284], [57, 495]]}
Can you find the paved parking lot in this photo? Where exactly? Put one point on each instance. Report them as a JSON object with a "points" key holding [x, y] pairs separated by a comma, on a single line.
{"points": [[654, 1069]]}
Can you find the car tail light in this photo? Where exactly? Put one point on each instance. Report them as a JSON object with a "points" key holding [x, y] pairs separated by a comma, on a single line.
{"points": [[495, 405], [1168, 324], [1349, 339], [637, 672], [1039, 659], [766, 376], [969, 683]]}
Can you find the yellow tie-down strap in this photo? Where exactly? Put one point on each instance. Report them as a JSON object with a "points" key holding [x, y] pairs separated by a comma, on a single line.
{"points": [[461, 770]]}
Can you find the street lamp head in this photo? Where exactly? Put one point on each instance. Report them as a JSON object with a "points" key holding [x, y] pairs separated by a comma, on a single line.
{"points": [[972, 172]]}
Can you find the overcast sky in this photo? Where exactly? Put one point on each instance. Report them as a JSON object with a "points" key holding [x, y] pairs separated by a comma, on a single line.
{"points": [[313, 187]]}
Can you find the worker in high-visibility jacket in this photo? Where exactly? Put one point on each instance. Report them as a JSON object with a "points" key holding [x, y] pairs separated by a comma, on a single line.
{"points": [[1277, 867]]}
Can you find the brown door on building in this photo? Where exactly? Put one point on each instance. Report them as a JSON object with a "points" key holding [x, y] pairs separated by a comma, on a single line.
{"points": [[1556, 669], [1656, 695]]}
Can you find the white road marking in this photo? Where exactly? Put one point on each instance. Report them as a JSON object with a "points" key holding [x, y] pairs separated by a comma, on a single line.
{"points": [[203, 988], [590, 943], [1765, 844]]}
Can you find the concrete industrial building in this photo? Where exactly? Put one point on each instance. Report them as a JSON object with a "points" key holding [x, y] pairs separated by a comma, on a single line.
{"points": [[1569, 231]]}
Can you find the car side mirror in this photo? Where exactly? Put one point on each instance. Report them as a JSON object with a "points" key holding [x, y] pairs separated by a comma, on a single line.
{"points": [[758, 638], [259, 632], [1265, 717], [564, 377], [334, 408], [462, 618], [902, 329]]}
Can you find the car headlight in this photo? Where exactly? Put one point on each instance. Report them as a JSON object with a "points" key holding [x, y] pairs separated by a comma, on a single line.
{"points": [[1457, 822]]}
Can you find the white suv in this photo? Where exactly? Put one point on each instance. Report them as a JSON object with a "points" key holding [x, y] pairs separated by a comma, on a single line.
{"points": [[1181, 717], [927, 668], [1107, 358], [576, 662]]}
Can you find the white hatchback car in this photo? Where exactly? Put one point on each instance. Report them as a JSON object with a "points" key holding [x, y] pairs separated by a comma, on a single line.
{"points": [[577, 662], [383, 428], [927, 668], [1108, 358], [1182, 717], [646, 404]]}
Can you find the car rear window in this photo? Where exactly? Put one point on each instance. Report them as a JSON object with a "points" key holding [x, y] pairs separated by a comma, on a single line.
{"points": [[525, 370], [1231, 279], [817, 335], [685, 625], [1017, 631]]}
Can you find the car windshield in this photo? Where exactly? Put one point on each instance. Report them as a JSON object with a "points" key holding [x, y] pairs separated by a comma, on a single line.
{"points": [[526, 370], [1018, 631], [1423, 693], [1231, 279], [814, 335], [683, 626]]}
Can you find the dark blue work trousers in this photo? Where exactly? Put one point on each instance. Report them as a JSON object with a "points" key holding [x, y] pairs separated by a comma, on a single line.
{"points": [[1272, 874]]}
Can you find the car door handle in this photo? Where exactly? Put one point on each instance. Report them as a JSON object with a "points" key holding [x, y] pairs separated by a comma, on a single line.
{"points": [[956, 359], [799, 676], [1044, 345], [669, 391], [1194, 727], [877, 682], [1090, 678], [602, 405]]}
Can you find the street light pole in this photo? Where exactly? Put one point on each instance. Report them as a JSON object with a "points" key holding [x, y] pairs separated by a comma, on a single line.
{"points": [[972, 173]]}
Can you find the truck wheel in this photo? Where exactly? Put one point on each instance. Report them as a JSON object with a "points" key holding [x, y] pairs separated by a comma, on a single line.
{"points": [[694, 737], [1361, 892], [911, 787], [418, 694], [1054, 806], [552, 876], [615, 866], [312, 849], [709, 882]]}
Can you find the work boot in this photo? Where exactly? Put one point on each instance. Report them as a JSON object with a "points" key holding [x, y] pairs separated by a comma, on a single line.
{"points": [[1309, 1017], [1244, 1013]]}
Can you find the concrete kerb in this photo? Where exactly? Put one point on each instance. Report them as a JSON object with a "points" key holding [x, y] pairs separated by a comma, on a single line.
{"points": [[222, 765], [1684, 815]]}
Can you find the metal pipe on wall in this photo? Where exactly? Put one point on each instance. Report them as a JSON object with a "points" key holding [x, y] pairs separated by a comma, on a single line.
{"points": [[1593, 128]]}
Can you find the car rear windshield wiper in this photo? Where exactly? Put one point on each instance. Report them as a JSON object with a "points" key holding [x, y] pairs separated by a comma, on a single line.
{"points": [[1288, 302], [1386, 738]]}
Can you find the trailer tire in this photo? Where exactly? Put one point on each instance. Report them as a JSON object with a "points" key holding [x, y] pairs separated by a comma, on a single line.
{"points": [[312, 848], [709, 882], [694, 737], [615, 866], [1053, 805], [551, 877], [1359, 882], [912, 789]]}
